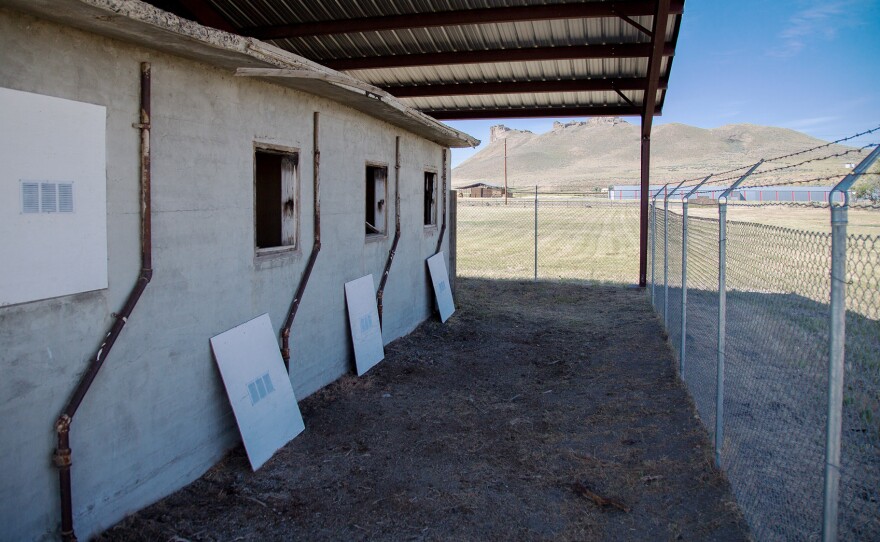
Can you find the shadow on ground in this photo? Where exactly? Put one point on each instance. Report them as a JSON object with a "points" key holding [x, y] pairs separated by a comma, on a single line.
{"points": [[537, 412]]}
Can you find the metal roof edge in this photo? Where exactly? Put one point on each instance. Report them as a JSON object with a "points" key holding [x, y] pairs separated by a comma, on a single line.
{"points": [[143, 24]]}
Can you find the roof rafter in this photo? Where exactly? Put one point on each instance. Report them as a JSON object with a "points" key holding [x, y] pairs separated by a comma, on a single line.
{"points": [[620, 50], [534, 112], [460, 17], [519, 87]]}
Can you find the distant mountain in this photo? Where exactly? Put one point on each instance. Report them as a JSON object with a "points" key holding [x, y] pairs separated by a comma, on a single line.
{"points": [[603, 151]]}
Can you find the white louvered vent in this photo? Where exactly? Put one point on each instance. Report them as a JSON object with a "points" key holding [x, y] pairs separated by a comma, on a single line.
{"points": [[46, 197], [30, 197], [65, 197]]}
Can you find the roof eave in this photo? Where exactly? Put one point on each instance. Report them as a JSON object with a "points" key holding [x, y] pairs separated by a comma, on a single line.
{"points": [[140, 23]]}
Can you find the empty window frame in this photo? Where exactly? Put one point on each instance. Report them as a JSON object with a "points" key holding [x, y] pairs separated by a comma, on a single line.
{"points": [[430, 198], [376, 197], [276, 179]]}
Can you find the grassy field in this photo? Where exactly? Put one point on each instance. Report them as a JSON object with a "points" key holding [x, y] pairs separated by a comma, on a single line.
{"points": [[577, 240]]}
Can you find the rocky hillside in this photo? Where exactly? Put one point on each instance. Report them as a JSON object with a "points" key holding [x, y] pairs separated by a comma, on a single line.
{"points": [[605, 151]]}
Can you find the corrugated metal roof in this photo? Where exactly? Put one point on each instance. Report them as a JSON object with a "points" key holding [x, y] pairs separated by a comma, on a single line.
{"points": [[379, 38]]}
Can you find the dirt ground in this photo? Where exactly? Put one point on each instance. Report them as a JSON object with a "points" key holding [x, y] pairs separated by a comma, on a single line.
{"points": [[537, 412]]}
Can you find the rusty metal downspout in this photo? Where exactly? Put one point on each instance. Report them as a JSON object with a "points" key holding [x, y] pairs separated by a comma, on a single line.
{"points": [[443, 227], [62, 454], [381, 292], [316, 248]]}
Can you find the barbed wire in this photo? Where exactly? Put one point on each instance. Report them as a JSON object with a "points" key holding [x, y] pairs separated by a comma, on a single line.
{"points": [[804, 162], [722, 179], [810, 204], [817, 147]]}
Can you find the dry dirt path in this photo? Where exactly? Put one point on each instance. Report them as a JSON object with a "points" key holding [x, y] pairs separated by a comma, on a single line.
{"points": [[537, 412]]}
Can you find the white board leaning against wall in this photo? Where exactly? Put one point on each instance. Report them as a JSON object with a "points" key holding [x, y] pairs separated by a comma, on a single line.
{"points": [[53, 209], [363, 320], [258, 388], [440, 280]]}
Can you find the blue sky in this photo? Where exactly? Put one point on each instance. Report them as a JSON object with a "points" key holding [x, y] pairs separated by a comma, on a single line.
{"points": [[808, 65]]}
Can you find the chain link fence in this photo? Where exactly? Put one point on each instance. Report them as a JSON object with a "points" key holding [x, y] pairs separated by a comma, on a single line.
{"points": [[548, 236], [774, 391]]}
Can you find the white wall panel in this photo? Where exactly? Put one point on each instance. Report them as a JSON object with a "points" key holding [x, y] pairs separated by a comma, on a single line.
{"points": [[61, 247]]}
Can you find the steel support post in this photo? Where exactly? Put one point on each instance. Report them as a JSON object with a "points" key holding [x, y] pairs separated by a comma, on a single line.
{"points": [[722, 311], [837, 344], [643, 209]]}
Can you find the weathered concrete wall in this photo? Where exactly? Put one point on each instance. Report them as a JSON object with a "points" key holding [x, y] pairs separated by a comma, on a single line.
{"points": [[157, 416]]}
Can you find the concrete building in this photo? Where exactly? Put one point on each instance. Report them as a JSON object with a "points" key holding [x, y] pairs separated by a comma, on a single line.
{"points": [[480, 190], [232, 233]]}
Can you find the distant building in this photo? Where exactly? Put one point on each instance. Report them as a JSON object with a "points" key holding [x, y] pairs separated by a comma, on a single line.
{"points": [[481, 190], [804, 194]]}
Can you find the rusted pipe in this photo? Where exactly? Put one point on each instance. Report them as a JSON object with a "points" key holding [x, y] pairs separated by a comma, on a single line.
{"points": [[381, 292], [443, 227], [62, 456], [316, 248]]}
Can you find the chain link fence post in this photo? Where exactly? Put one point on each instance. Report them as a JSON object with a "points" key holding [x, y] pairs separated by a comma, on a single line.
{"points": [[839, 220], [684, 289], [684, 248], [536, 233], [666, 260], [654, 241], [722, 311]]}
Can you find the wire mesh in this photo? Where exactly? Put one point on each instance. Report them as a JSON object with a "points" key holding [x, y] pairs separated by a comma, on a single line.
{"points": [[673, 310], [578, 238], [584, 239], [659, 252], [702, 317], [777, 335], [776, 377], [495, 240], [859, 511]]}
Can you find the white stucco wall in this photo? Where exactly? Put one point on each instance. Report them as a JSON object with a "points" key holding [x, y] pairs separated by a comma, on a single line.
{"points": [[157, 416]]}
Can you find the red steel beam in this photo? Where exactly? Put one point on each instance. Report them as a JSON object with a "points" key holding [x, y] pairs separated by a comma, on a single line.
{"points": [[620, 50], [205, 14], [534, 112], [522, 87], [459, 17], [661, 19]]}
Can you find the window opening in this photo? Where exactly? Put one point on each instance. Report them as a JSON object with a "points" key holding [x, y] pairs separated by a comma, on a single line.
{"points": [[376, 209], [430, 198], [275, 183]]}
